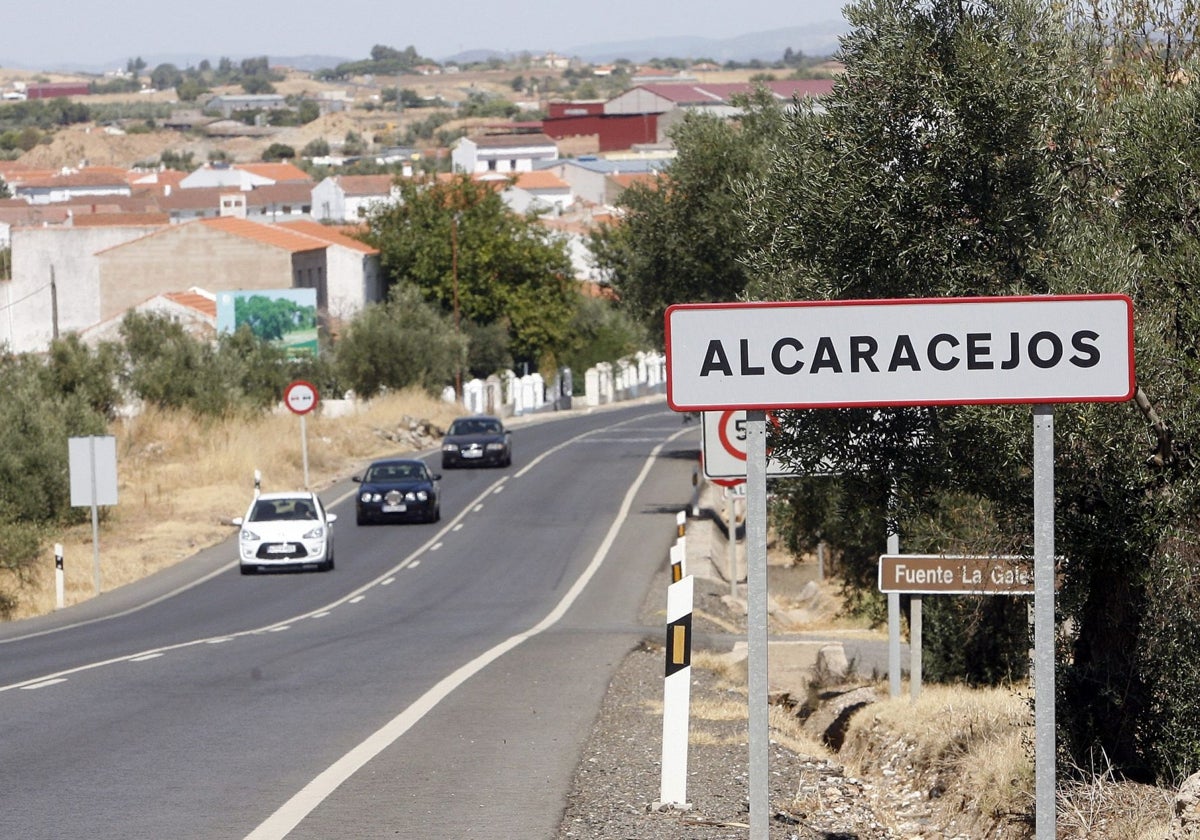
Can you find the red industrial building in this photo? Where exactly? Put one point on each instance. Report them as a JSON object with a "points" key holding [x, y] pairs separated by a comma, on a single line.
{"points": [[53, 90], [587, 118]]}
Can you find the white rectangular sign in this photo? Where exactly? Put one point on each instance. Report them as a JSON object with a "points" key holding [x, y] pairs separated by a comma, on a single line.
{"points": [[952, 351], [724, 446], [92, 462]]}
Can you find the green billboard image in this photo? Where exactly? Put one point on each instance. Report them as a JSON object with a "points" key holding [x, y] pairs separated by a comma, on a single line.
{"points": [[285, 317]]}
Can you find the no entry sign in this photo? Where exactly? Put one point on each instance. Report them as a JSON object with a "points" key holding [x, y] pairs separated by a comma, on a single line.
{"points": [[952, 351], [300, 397]]}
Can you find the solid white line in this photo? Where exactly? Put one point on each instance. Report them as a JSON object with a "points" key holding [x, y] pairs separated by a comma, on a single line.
{"points": [[277, 826]]}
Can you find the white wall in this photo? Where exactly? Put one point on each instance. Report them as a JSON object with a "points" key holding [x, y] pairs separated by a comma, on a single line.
{"points": [[67, 254]]}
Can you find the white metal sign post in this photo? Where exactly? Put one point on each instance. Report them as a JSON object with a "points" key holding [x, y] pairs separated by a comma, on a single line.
{"points": [[301, 397], [1035, 350], [92, 462]]}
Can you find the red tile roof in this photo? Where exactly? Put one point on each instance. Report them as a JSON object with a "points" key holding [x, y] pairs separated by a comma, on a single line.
{"points": [[276, 235], [277, 172], [201, 303], [328, 233]]}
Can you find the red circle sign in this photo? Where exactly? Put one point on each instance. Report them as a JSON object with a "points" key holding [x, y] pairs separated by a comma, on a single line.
{"points": [[300, 397], [727, 441]]}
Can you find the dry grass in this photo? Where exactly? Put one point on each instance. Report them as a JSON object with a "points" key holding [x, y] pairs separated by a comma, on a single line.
{"points": [[181, 478]]}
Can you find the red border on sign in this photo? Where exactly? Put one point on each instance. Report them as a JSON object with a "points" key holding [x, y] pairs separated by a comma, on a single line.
{"points": [[1128, 395], [300, 383], [725, 442]]}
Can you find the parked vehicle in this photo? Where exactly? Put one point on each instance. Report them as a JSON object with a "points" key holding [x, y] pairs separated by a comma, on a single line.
{"points": [[479, 440], [285, 531], [398, 490]]}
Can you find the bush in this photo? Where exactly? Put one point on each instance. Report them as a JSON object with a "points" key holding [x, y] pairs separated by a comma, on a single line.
{"points": [[397, 344]]}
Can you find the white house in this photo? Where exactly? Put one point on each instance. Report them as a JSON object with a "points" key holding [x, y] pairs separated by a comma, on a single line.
{"points": [[502, 153], [349, 198]]}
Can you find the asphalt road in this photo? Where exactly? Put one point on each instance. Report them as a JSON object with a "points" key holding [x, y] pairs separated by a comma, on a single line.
{"points": [[438, 684]]}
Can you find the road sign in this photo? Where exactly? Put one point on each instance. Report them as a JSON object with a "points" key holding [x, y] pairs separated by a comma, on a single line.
{"points": [[951, 351], [300, 397], [724, 446], [947, 574]]}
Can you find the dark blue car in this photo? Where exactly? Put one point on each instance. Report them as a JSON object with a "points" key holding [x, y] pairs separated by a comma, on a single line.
{"points": [[476, 441], [398, 490]]}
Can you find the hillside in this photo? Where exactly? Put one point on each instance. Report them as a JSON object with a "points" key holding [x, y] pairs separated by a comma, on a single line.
{"points": [[98, 145]]}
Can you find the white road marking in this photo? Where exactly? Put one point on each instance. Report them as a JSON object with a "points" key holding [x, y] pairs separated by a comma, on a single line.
{"points": [[279, 824], [146, 658], [43, 684]]}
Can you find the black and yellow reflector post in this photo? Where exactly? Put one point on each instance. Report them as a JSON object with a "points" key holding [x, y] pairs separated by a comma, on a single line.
{"points": [[677, 695], [678, 562]]}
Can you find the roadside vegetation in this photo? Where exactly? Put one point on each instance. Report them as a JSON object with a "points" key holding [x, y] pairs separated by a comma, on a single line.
{"points": [[473, 291], [982, 149]]}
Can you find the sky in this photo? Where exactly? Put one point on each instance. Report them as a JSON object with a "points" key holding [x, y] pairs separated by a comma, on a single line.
{"points": [[78, 32]]}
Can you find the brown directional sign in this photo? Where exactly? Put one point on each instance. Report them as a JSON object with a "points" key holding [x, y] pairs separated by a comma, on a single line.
{"points": [[945, 574]]}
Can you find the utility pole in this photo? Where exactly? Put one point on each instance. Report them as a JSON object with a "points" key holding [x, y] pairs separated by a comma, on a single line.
{"points": [[53, 306], [454, 274]]}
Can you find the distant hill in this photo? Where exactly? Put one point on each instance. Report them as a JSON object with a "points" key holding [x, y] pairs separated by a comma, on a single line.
{"points": [[817, 39]]}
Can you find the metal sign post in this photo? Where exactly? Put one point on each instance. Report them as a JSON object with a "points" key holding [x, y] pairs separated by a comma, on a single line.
{"points": [[756, 619], [301, 398], [1043, 621], [93, 472], [1033, 349]]}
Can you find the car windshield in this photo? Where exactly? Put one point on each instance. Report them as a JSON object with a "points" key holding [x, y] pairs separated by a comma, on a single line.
{"points": [[475, 426], [266, 510], [395, 472]]}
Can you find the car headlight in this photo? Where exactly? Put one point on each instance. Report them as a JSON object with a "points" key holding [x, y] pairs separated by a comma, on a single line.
{"points": [[422, 495], [315, 533], [370, 497], [249, 536], [495, 446], [449, 447]]}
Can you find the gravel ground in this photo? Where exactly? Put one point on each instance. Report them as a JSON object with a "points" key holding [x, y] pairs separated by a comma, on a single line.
{"points": [[619, 776]]}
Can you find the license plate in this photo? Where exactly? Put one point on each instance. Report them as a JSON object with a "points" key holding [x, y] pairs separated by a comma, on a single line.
{"points": [[395, 508], [279, 549], [473, 453]]}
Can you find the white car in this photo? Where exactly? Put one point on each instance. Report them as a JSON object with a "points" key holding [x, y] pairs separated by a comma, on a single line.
{"points": [[285, 530]]}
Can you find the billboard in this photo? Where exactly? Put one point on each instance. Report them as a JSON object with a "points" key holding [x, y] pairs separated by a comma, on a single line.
{"points": [[285, 317]]}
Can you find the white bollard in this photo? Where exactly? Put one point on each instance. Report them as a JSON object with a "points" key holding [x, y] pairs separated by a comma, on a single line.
{"points": [[677, 696], [59, 587], [678, 562]]}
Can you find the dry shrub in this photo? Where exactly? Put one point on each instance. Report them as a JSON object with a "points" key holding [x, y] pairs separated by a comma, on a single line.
{"points": [[180, 478], [971, 744]]}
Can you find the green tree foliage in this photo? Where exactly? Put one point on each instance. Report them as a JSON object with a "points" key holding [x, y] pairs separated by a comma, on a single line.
{"points": [[400, 343], [36, 420], [315, 148], [240, 372], [966, 153], [602, 332], [92, 375], [459, 244], [166, 76], [278, 151], [679, 240], [384, 61]]}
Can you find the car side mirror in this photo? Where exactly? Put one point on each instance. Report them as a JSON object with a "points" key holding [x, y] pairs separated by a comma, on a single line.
{"points": [[237, 520], [356, 479], [330, 518], [437, 476]]}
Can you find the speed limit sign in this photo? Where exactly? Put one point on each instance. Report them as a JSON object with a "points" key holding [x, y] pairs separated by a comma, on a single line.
{"points": [[300, 397], [724, 445]]}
